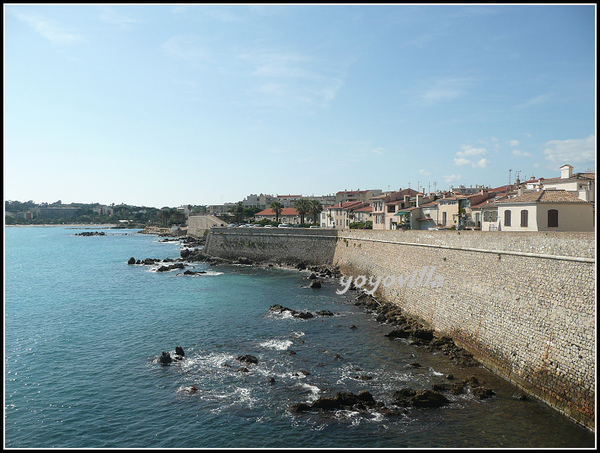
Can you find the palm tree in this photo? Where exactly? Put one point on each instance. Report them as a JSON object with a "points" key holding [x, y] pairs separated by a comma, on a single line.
{"points": [[315, 209], [302, 207], [277, 207]]}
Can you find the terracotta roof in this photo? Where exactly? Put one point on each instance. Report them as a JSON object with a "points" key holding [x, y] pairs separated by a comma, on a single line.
{"points": [[430, 204], [544, 196], [365, 209], [284, 211]]}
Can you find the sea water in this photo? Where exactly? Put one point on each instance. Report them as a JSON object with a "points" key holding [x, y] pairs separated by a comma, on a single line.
{"points": [[84, 329]]}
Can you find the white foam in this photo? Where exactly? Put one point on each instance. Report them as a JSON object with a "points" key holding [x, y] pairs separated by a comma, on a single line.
{"points": [[279, 345]]}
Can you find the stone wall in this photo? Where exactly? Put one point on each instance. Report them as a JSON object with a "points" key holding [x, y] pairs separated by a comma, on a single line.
{"points": [[199, 224], [285, 246], [522, 303]]}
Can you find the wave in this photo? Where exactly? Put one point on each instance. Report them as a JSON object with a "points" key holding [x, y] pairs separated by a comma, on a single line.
{"points": [[279, 345]]}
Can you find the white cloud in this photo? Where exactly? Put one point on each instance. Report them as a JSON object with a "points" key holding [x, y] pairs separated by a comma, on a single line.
{"points": [[461, 161], [514, 143], [377, 151], [574, 151], [468, 150], [424, 172], [48, 29], [453, 177]]}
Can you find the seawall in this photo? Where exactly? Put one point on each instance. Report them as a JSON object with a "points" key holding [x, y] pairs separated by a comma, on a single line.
{"points": [[522, 303]]}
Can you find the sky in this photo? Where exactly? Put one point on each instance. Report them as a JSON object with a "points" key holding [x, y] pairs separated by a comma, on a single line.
{"points": [[166, 105]]}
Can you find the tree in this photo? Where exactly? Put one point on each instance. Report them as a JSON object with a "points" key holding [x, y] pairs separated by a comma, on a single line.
{"points": [[315, 210], [277, 207], [303, 207]]}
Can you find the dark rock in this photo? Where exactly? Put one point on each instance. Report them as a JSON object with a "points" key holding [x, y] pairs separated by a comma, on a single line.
{"points": [[428, 398], [519, 396], [402, 397], [188, 272], [165, 358], [315, 284], [244, 369], [483, 392], [301, 266], [302, 315], [244, 260], [398, 333], [179, 351], [416, 365], [131, 260], [300, 407], [324, 313], [312, 276], [247, 358]]}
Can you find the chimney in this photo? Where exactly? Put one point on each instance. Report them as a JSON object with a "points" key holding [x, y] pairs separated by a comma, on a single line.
{"points": [[566, 171]]}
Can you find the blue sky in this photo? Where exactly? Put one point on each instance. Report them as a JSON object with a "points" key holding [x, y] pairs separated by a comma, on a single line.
{"points": [[164, 105]]}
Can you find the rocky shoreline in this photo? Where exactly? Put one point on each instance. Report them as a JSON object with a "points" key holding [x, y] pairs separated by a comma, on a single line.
{"points": [[403, 327]]}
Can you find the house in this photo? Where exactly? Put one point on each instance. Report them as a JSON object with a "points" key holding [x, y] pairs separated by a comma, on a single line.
{"points": [[287, 215], [385, 208], [365, 196], [364, 214], [545, 210], [429, 217], [341, 215], [583, 184], [449, 211]]}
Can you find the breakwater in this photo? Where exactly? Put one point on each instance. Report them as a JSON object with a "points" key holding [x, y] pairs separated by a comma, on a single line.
{"points": [[522, 303]]}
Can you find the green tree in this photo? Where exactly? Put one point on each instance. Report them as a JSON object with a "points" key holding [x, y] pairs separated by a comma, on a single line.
{"points": [[303, 207], [315, 210], [277, 207]]}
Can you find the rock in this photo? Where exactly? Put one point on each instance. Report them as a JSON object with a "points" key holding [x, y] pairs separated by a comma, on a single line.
{"points": [[428, 398], [244, 369], [416, 365], [244, 260], [324, 313], [315, 284], [179, 351], [483, 392], [131, 260], [402, 397], [165, 358], [398, 333], [302, 315], [519, 396], [301, 266], [312, 276], [247, 358], [188, 272]]}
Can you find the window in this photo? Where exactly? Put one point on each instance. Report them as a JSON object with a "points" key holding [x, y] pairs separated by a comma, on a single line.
{"points": [[524, 218], [507, 218], [553, 218]]}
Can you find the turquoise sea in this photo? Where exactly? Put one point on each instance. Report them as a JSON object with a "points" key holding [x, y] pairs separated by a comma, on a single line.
{"points": [[83, 330]]}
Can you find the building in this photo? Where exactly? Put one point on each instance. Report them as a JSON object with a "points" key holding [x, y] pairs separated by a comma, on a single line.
{"points": [[583, 184], [386, 206], [345, 196], [341, 215], [545, 210], [287, 215]]}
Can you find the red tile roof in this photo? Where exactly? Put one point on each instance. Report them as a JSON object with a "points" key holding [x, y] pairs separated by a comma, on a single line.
{"points": [[284, 212], [544, 196]]}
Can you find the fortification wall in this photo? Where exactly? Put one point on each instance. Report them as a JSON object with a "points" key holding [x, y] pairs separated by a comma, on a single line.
{"points": [[285, 246], [199, 224], [522, 303]]}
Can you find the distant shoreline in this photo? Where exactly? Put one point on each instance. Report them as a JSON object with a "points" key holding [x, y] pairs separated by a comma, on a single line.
{"points": [[72, 225]]}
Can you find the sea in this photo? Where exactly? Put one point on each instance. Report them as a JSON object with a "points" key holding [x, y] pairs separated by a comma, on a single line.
{"points": [[83, 331]]}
